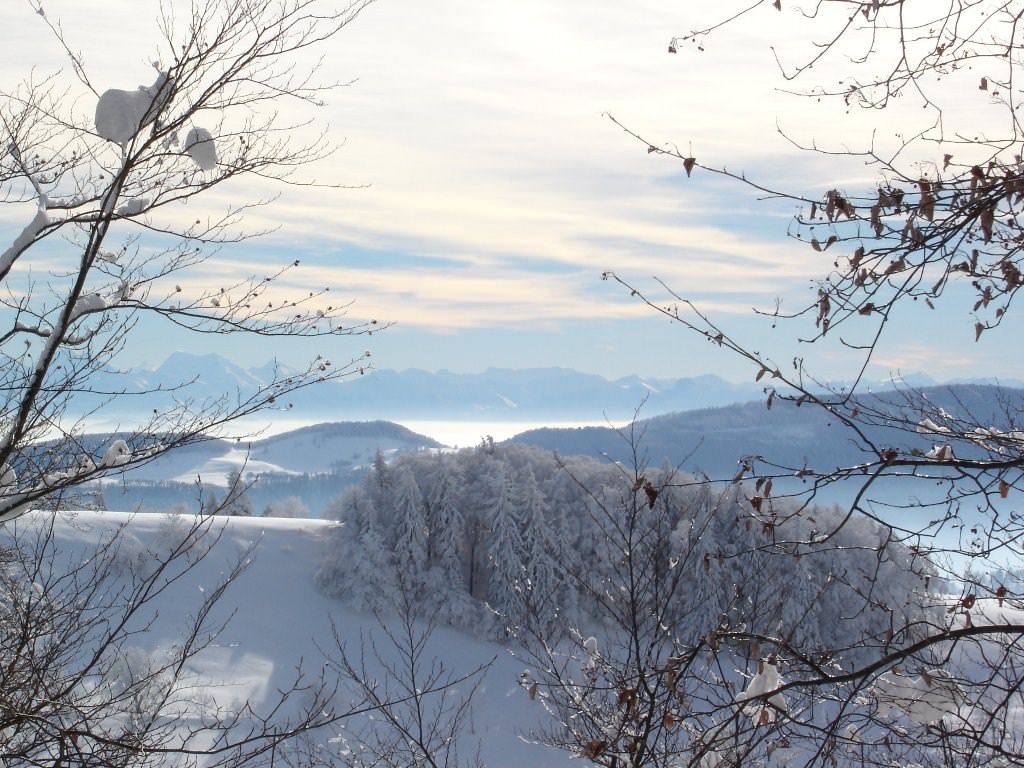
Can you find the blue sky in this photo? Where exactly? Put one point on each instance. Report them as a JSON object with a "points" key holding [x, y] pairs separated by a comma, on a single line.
{"points": [[496, 191]]}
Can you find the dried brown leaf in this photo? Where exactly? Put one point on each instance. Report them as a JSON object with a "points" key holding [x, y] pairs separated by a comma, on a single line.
{"points": [[593, 749], [987, 220], [652, 495]]}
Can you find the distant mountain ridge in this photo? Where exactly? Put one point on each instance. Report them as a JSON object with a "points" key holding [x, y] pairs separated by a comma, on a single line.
{"points": [[711, 441], [497, 394]]}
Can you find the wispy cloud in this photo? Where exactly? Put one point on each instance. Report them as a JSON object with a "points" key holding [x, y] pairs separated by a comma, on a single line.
{"points": [[497, 190]]}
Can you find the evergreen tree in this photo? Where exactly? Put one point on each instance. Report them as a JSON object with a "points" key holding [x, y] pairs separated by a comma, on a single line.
{"points": [[447, 537], [410, 524], [539, 571], [505, 547], [237, 502]]}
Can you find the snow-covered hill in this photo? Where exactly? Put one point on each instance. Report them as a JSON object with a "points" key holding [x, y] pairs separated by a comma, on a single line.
{"points": [[279, 618], [306, 451]]}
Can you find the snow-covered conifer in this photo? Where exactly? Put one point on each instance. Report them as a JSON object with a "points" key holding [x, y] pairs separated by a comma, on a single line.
{"points": [[410, 523]]}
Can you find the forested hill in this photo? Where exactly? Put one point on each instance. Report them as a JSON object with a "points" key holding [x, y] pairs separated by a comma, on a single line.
{"points": [[713, 440], [506, 536]]}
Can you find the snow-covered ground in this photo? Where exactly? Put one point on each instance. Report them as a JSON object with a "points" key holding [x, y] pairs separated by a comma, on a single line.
{"points": [[281, 618]]}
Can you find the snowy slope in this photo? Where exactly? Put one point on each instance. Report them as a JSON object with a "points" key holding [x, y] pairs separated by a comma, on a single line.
{"points": [[308, 450], [281, 618]]}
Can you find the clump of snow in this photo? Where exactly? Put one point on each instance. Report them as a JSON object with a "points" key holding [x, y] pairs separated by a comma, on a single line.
{"points": [[940, 453], [120, 115], [92, 302], [117, 455], [8, 477], [764, 711], [53, 479], [927, 425], [925, 699], [201, 148], [27, 236], [134, 206]]}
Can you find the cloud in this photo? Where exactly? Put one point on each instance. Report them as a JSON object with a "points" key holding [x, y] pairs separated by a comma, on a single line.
{"points": [[497, 191]]}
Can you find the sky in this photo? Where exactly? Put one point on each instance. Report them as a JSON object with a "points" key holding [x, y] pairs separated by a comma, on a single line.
{"points": [[486, 189]]}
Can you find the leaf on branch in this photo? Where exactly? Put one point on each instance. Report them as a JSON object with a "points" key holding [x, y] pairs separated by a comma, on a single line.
{"points": [[652, 495], [987, 219], [1004, 488], [857, 257], [593, 749], [688, 164], [1011, 274], [946, 159], [866, 309], [978, 330], [1001, 595], [824, 308], [968, 601], [761, 373], [896, 266], [835, 204], [777, 5], [876, 220], [771, 399], [986, 298], [983, 85], [927, 205]]}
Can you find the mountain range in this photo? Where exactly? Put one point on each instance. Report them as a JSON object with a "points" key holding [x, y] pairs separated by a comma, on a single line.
{"points": [[496, 394]]}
